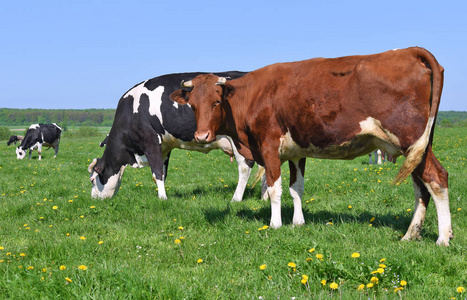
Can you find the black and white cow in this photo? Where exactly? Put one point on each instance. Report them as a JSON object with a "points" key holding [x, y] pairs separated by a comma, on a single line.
{"points": [[147, 126], [38, 135], [14, 139]]}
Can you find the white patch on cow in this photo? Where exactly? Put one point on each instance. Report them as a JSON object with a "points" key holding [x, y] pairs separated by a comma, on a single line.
{"points": [[275, 192], [34, 126], [136, 93], [160, 187], [20, 153], [155, 101], [110, 189], [175, 104]]}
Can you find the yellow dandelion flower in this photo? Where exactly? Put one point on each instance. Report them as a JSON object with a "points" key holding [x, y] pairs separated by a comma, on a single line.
{"points": [[199, 261], [180, 227], [382, 266], [403, 283], [372, 219], [350, 206], [380, 270], [292, 265], [355, 255], [370, 285], [333, 285], [55, 207], [44, 270], [323, 282], [82, 238], [83, 267], [68, 279], [101, 242], [460, 289], [22, 254], [398, 289], [265, 227], [1, 248], [319, 256], [177, 241], [309, 259], [62, 267], [304, 279], [92, 206], [311, 250], [262, 267], [374, 280], [30, 268], [361, 287]]}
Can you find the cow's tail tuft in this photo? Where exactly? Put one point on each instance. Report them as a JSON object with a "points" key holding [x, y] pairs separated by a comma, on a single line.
{"points": [[258, 175], [417, 150]]}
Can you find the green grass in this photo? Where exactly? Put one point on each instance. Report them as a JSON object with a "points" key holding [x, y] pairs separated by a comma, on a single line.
{"points": [[130, 251]]}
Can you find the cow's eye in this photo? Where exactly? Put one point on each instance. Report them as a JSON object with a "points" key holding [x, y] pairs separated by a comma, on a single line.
{"points": [[216, 103]]}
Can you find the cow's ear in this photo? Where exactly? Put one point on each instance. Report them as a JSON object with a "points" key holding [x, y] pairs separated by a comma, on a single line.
{"points": [[180, 96]]}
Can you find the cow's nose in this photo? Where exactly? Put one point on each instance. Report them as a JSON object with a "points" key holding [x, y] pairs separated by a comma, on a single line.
{"points": [[202, 137]]}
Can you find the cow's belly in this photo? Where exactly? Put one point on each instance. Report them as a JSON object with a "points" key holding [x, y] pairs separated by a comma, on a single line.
{"points": [[360, 145], [371, 137], [169, 142]]}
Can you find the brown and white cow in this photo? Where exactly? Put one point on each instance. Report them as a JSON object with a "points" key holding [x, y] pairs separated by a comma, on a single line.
{"points": [[338, 108]]}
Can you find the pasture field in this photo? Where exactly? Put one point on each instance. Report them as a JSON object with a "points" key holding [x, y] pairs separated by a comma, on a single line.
{"points": [[58, 242]]}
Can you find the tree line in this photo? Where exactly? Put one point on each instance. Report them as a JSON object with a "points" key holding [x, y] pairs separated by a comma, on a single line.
{"points": [[63, 117], [105, 117]]}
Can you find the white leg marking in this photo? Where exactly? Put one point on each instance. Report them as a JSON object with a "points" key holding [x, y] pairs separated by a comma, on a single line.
{"points": [[441, 199], [275, 192], [243, 174], [296, 191], [418, 217], [160, 187]]}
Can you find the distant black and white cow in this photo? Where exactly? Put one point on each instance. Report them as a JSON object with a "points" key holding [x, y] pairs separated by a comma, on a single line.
{"points": [[38, 135], [14, 139], [147, 126]]}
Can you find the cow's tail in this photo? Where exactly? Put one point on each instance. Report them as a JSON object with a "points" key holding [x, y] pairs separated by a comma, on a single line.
{"points": [[415, 152], [258, 175]]}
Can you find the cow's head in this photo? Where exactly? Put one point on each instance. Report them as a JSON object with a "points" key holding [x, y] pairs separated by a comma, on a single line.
{"points": [[104, 183], [205, 99], [20, 152]]}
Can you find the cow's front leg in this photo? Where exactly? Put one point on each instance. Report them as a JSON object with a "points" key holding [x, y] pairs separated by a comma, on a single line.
{"points": [[154, 155], [296, 187], [274, 190]]}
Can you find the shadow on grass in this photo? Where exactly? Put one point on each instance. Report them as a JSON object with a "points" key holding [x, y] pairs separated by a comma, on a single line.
{"points": [[323, 217]]}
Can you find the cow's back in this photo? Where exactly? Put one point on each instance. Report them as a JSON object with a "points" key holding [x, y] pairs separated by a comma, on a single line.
{"points": [[329, 97]]}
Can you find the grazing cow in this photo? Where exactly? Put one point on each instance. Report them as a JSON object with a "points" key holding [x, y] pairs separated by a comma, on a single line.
{"points": [[147, 126], [38, 135], [14, 139], [338, 108]]}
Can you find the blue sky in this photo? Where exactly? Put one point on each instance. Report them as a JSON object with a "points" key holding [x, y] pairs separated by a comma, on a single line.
{"points": [[87, 54]]}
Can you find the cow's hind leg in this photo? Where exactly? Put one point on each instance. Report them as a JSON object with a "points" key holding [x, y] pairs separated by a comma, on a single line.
{"points": [[422, 198], [296, 187], [435, 181]]}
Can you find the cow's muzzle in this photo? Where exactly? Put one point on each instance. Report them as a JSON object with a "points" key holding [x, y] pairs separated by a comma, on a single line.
{"points": [[204, 137]]}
